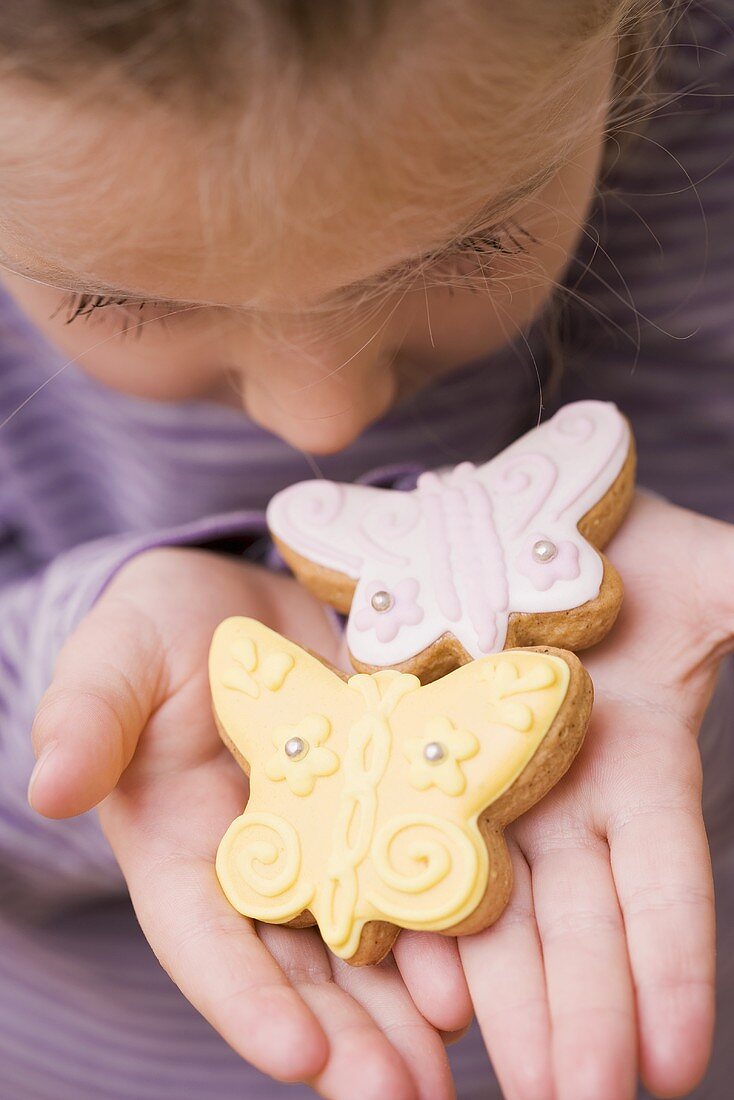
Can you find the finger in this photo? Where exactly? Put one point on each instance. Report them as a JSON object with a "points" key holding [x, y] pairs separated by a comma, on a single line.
{"points": [[663, 874], [382, 992], [431, 969], [451, 1037], [504, 969], [106, 684], [162, 838], [586, 965], [363, 1062]]}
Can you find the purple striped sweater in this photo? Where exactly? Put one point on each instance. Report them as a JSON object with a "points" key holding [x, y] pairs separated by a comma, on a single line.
{"points": [[90, 477]]}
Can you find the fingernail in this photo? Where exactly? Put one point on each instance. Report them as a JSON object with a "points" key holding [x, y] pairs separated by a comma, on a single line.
{"points": [[40, 765]]}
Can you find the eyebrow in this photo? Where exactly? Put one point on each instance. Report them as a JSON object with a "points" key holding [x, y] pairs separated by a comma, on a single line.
{"points": [[492, 213], [68, 282], [500, 208], [57, 278]]}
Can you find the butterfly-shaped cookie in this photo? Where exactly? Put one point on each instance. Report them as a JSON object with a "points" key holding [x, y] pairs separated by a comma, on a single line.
{"points": [[377, 803], [475, 559]]}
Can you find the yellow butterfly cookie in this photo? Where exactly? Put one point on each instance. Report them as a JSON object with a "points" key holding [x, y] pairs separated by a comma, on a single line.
{"points": [[378, 804]]}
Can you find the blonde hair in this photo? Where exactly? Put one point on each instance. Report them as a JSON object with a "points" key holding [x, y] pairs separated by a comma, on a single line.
{"points": [[206, 48], [210, 55], [275, 71]]}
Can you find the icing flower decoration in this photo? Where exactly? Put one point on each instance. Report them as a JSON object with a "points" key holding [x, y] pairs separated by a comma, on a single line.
{"points": [[544, 562], [436, 756], [387, 609], [301, 758]]}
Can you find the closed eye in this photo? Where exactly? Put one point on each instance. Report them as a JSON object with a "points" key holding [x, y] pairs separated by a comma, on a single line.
{"points": [[471, 255], [464, 262], [459, 264], [82, 306]]}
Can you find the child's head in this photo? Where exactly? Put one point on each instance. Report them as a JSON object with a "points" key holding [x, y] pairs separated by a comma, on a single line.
{"points": [[330, 202]]}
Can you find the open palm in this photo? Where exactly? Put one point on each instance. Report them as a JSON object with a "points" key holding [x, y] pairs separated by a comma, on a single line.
{"points": [[602, 966], [134, 680]]}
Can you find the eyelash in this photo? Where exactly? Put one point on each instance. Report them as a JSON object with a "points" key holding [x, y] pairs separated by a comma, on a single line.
{"points": [[81, 306], [509, 239], [463, 266]]}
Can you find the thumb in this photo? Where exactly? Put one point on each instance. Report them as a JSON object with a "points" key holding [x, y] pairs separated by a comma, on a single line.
{"points": [[107, 682]]}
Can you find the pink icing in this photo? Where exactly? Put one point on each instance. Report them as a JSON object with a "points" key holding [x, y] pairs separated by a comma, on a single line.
{"points": [[464, 555], [314, 504], [390, 519], [581, 427], [543, 575], [465, 546], [431, 488], [468, 560], [464, 473], [487, 539], [572, 421], [526, 472], [405, 610]]}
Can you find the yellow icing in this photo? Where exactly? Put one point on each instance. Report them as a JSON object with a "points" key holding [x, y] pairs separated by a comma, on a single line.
{"points": [[239, 672], [301, 774], [259, 859], [362, 828], [244, 652], [447, 774], [275, 669]]}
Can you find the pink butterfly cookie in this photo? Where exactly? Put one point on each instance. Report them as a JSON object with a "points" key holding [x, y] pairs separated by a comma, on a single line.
{"points": [[475, 559]]}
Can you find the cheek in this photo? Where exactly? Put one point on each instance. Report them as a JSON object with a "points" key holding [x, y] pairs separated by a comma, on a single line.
{"points": [[451, 328], [464, 325], [145, 359]]}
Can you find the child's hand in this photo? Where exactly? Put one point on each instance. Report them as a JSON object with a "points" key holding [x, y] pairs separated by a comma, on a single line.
{"points": [[129, 712], [603, 964]]}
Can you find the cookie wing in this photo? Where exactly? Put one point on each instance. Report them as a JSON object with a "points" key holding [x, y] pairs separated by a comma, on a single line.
{"points": [[470, 753], [347, 543], [286, 717], [338, 526], [541, 488]]}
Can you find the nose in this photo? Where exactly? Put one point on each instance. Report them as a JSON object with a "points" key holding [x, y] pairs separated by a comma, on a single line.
{"points": [[317, 393]]}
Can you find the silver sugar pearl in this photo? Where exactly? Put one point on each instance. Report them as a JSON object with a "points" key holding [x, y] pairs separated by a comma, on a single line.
{"points": [[295, 748], [382, 601], [434, 752], [544, 550]]}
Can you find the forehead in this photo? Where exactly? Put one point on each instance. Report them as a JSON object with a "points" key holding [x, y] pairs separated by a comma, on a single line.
{"points": [[296, 196]]}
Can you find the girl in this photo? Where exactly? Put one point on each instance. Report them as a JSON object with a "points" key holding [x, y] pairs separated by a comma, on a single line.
{"points": [[236, 234]]}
